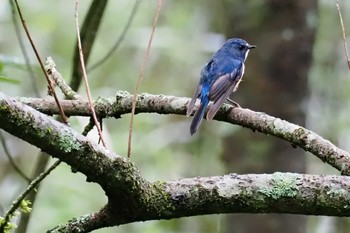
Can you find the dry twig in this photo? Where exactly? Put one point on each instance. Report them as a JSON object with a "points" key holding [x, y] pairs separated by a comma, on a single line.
{"points": [[344, 36], [85, 75], [159, 3], [51, 89]]}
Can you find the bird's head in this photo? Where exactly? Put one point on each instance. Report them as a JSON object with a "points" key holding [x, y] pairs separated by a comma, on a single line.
{"points": [[237, 47]]}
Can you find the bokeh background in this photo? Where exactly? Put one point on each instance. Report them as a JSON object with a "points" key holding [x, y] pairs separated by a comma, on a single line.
{"points": [[298, 73]]}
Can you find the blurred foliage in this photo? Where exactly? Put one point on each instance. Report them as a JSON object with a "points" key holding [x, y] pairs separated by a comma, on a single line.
{"points": [[162, 146]]}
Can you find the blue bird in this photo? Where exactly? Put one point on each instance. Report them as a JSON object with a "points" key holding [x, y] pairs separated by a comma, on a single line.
{"points": [[219, 78]]}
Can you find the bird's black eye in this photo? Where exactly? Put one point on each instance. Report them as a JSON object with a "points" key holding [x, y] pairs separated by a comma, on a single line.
{"points": [[241, 47]]}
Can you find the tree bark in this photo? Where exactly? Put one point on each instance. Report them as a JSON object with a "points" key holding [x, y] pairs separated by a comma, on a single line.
{"points": [[131, 198]]}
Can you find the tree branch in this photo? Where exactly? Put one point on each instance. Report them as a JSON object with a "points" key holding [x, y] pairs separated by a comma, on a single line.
{"points": [[131, 198], [88, 35], [265, 193], [257, 121]]}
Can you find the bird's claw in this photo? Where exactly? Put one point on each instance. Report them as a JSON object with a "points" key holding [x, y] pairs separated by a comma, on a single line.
{"points": [[233, 103]]}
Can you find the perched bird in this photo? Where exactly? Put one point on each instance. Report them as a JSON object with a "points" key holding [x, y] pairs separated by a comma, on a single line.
{"points": [[219, 78]]}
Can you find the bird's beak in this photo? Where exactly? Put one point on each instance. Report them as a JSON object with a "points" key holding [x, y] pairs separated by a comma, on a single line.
{"points": [[251, 46]]}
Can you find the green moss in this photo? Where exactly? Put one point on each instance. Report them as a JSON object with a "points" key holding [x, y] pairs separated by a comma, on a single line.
{"points": [[67, 143], [163, 198], [105, 101], [335, 192], [283, 185], [3, 107], [122, 95], [160, 187], [300, 132], [24, 206], [336, 195], [49, 130], [8, 226]]}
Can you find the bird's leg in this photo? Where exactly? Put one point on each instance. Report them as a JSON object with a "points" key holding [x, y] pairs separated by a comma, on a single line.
{"points": [[236, 105]]}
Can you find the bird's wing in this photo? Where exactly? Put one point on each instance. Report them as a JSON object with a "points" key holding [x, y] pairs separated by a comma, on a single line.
{"points": [[208, 67], [192, 103], [224, 85]]}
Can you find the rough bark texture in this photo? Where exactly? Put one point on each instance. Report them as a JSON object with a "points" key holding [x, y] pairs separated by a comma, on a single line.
{"points": [[257, 121], [252, 193], [131, 198]]}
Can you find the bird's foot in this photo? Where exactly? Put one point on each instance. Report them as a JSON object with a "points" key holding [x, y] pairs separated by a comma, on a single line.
{"points": [[233, 103]]}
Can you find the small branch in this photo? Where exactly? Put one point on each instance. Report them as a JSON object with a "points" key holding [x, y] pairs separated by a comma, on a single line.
{"points": [[85, 223], [344, 36], [257, 121], [97, 124], [51, 70], [39, 168], [159, 4], [120, 39], [16, 203], [51, 89], [88, 34], [88, 127], [24, 51]]}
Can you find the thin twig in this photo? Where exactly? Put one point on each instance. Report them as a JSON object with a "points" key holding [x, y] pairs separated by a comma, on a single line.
{"points": [[88, 35], [50, 68], [51, 89], [12, 162], [344, 36], [40, 167], [24, 51], [159, 4], [120, 39], [85, 75], [21, 197], [88, 127]]}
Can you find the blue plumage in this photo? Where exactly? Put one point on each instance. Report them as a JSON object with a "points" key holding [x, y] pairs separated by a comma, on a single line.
{"points": [[219, 78]]}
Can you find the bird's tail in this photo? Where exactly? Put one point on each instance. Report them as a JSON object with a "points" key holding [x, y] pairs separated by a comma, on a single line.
{"points": [[198, 116]]}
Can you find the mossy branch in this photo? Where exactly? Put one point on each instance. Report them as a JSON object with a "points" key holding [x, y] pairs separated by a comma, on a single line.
{"points": [[132, 198], [162, 104], [252, 193]]}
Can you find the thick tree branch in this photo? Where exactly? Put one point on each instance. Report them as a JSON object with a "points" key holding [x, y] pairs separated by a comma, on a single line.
{"points": [[121, 104], [131, 198], [264, 193]]}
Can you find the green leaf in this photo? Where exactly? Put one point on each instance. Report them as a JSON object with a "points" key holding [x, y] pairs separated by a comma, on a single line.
{"points": [[24, 207]]}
